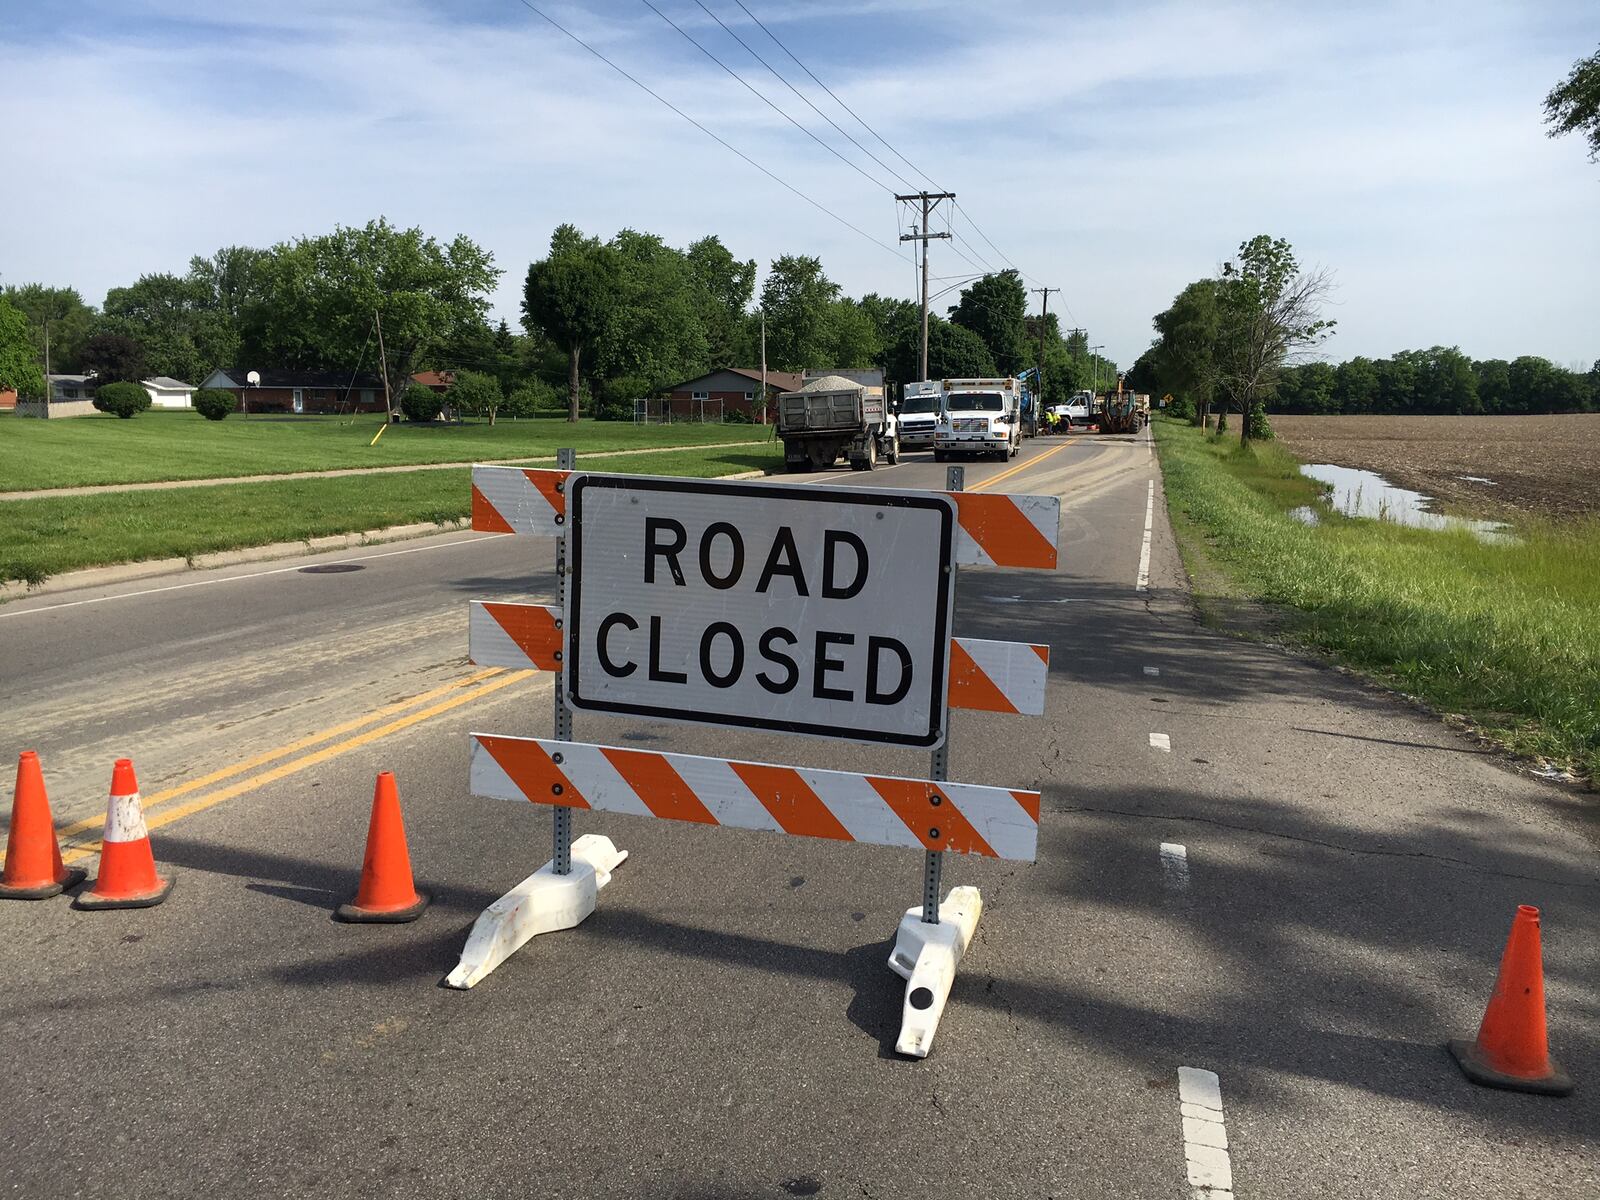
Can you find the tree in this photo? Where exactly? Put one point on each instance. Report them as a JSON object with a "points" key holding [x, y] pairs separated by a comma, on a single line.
{"points": [[1188, 351], [114, 358], [476, 394], [1573, 105], [855, 336], [954, 351], [723, 287], [1270, 311], [994, 308], [19, 370], [569, 297], [177, 321], [655, 334], [71, 322], [315, 300], [798, 299]]}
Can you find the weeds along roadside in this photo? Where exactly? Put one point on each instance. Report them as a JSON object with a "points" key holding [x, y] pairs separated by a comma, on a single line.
{"points": [[1505, 635]]}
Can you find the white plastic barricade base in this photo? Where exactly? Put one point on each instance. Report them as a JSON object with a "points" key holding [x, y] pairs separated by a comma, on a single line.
{"points": [[926, 956], [542, 903]]}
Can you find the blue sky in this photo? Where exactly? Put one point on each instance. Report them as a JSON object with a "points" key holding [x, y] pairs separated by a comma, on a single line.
{"points": [[1115, 151]]}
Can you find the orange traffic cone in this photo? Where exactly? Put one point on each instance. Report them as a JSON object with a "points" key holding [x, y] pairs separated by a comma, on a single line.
{"points": [[1512, 1050], [387, 893], [127, 876], [33, 856]]}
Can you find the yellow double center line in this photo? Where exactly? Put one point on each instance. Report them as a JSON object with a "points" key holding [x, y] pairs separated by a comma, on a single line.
{"points": [[439, 700], [1021, 466]]}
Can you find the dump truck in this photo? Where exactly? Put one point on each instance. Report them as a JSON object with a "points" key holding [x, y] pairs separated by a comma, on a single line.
{"points": [[831, 416]]}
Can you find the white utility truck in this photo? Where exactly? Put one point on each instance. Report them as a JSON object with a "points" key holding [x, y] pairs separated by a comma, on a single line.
{"points": [[980, 416], [920, 404], [832, 416]]}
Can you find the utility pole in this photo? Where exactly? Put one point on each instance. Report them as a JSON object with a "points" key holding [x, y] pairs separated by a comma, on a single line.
{"points": [[388, 404], [929, 201], [763, 365], [1094, 359], [48, 390], [1044, 311]]}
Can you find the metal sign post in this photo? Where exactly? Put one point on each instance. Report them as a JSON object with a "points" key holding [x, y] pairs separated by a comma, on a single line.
{"points": [[561, 857], [955, 480]]}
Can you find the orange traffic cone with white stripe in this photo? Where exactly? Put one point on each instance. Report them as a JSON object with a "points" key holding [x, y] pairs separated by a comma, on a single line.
{"points": [[33, 855], [127, 876], [387, 894], [1512, 1050]]}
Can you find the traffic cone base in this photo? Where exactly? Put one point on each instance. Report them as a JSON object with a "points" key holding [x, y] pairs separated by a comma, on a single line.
{"points": [[387, 894], [90, 902], [382, 916], [1473, 1066], [33, 869], [71, 877]]}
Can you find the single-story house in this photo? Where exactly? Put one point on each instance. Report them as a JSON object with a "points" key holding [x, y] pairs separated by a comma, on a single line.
{"points": [[733, 389], [69, 396], [167, 392], [435, 381], [300, 391]]}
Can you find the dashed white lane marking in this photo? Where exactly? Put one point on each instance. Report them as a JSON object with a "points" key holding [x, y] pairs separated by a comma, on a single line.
{"points": [[1152, 670], [1160, 741], [1205, 1137], [1175, 866], [1144, 550]]}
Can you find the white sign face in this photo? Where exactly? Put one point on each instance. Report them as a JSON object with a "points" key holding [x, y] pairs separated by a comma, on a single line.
{"points": [[823, 611]]}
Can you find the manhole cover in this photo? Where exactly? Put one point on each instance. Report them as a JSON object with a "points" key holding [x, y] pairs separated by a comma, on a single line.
{"points": [[332, 569]]}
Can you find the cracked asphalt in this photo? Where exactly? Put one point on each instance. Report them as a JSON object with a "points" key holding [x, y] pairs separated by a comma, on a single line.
{"points": [[723, 1026]]}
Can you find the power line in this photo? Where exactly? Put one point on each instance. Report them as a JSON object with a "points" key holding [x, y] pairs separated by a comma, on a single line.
{"points": [[714, 137], [803, 97], [916, 170], [761, 97]]}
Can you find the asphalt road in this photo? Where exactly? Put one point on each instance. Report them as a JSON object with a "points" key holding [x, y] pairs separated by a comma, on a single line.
{"points": [[723, 1026]]}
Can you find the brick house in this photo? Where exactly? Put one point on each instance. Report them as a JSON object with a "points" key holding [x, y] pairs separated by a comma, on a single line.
{"points": [[301, 391], [438, 382], [733, 389]]}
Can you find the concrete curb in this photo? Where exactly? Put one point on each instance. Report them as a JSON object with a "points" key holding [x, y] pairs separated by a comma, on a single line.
{"points": [[153, 568]]}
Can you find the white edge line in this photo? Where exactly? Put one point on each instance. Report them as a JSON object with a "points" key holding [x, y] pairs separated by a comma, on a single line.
{"points": [[1144, 550]]}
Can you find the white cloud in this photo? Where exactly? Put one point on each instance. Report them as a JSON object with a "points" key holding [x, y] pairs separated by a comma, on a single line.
{"points": [[1118, 153]]}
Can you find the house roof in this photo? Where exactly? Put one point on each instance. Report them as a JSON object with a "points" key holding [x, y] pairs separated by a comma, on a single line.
{"points": [[277, 378], [168, 384], [70, 378], [435, 379], [783, 381]]}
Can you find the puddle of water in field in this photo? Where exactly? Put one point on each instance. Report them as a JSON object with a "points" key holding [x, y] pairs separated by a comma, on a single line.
{"points": [[1357, 493]]}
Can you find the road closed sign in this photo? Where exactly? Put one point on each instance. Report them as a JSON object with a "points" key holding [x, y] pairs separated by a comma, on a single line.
{"points": [[823, 611]]}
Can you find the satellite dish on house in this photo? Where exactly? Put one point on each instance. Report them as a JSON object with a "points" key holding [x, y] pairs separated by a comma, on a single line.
{"points": [[253, 378]]}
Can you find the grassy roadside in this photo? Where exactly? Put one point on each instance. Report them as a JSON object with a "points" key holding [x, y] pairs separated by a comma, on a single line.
{"points": [[48, 536], [159, 446], [1506, 636]]}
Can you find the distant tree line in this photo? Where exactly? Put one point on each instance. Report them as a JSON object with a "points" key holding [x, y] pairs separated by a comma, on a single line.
{"points": [[1440, 380], [603, 322]]}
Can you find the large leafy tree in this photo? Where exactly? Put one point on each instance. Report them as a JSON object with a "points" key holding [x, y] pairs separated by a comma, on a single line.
{"points": [[317, 302], [798, 300], [177, 321], [1573, 105], [115, 358], [856, 342], [569, 298], [1187, 350], [1269, 311], [656, 333], [19, 369], [954, 351], [995, 308], [723, 287], [71, 322]]}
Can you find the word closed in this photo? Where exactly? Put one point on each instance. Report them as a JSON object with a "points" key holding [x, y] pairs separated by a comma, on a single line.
{"points": [[808, 610]]}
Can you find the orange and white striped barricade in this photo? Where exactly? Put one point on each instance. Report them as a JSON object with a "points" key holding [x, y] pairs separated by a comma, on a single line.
{"points": [[824, 612]]}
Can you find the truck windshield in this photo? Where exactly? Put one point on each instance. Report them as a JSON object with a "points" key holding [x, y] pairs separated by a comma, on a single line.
{"points": [[920, 404], [978, 402]]}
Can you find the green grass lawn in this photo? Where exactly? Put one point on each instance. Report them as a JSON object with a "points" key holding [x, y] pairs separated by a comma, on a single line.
{"points": [[182, 445], [1505, 635], [47, 536]]}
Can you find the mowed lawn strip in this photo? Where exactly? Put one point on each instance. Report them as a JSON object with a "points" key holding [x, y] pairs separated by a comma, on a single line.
{"points": [[45, 537], [1505, 635], [159, 446]]}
